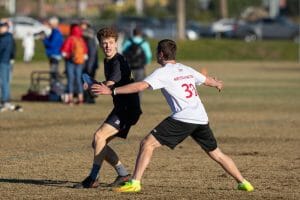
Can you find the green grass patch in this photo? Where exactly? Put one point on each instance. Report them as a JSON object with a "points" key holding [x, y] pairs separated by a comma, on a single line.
{"points": [[217, 50], [212, 50]]}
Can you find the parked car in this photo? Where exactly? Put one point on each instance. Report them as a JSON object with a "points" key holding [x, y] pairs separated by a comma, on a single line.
{"points": [[203, 30], [23, 25], [167, 28], [159, 28], [267, 28], [224, 27], [126, 24]]}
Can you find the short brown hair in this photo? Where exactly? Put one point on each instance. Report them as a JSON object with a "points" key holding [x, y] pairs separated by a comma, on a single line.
{"points": [[168, 48], [106, 33]]}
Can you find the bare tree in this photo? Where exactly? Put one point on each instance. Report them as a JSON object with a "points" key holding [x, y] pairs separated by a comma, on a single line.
{"points": [[78, 8], [41, 10], [181, 19], [139, 5], [223, 8]]}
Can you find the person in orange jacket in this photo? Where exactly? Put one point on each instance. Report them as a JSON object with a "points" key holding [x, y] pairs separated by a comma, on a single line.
{"points": [[75, 51]]}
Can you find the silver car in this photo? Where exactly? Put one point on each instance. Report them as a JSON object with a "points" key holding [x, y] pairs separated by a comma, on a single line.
{"points": [[23, 26], [267, 28]]}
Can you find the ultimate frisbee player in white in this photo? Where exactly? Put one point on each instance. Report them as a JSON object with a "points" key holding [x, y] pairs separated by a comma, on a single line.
{"points": [[178, 84]]}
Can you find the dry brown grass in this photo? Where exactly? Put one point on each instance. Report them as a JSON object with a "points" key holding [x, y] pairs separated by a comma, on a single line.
{"points": [[256, 120]]}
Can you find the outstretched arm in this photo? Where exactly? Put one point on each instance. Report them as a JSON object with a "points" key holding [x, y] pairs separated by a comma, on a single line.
{"points": [[214, 82], [126, 89]]}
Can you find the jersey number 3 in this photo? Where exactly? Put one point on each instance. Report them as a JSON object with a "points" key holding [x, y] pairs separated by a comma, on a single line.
{"points": [[190, 90]]}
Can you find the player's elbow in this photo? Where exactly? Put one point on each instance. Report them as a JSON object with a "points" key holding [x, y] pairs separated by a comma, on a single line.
{"points": [[141, 86]]}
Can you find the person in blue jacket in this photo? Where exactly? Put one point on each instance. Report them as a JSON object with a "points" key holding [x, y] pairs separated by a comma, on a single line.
{"points": [[6, 52], [53, 44]]}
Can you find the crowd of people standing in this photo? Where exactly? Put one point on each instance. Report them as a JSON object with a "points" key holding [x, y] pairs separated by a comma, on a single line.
{"points": [[58, 48], [78, 51]]}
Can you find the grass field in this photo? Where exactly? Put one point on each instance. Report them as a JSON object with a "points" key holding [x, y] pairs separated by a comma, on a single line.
{"points": [[256, 120], [213, 50]]}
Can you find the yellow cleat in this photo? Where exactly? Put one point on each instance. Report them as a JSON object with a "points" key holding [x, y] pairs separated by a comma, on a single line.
{"points": [[130, 186], [246, 186]]}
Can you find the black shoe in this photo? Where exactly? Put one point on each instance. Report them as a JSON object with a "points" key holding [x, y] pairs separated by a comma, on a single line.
{"points": [[88, 182], [18, 108], [120, 180]]}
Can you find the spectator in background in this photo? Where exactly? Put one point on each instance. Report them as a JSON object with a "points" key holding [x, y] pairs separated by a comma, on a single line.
{"points": [[53, 43], [75, 51], [28, 45], [91, 64], [6, 52], [138, 54], [13, 53], [120, 42]]}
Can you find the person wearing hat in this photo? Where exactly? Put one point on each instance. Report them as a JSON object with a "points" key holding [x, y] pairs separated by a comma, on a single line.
{"points": [[53, 43]]}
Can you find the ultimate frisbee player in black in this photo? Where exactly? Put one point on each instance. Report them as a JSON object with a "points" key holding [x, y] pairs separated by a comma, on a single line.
{"points": [[126, 107], [125, 113]]}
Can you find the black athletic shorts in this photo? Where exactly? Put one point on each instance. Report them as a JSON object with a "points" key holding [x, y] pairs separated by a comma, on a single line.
{"points": [[171, 132], [123, 119]]}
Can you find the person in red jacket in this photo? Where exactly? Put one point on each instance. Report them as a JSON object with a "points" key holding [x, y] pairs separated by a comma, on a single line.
{"points": [[74, 50]]}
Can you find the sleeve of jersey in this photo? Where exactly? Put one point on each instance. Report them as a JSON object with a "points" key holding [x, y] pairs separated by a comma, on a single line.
{"points": [[155, 80], [199, 78]]}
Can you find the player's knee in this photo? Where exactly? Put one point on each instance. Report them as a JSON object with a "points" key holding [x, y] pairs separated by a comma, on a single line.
{"points": [[98, 137], [145, 145]]}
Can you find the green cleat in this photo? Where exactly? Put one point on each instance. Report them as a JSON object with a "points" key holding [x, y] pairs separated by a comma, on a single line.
{"points": [[130, 186], [246, 186]]}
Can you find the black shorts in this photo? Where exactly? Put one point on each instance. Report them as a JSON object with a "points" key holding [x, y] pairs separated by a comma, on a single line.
{"points": [[123, 119], [171, 132]]}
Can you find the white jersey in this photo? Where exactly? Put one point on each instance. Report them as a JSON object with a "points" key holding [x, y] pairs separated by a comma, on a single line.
{"points": [[178, 84]]}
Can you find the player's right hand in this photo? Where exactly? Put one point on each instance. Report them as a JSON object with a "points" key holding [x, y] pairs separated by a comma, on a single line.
{"points": [[101, 89]]}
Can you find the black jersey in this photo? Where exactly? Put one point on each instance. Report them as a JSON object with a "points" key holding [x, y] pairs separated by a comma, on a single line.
{"points": [[117, 70]]}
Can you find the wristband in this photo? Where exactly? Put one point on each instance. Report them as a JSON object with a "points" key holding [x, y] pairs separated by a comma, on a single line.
{"points": [[114, 91]]}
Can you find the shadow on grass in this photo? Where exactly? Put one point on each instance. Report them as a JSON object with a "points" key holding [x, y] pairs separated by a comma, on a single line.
{"points": [[57, 183], [54, 183]]}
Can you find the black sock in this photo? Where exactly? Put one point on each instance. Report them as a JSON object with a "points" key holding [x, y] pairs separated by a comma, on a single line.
{"points": [[94, 171]]}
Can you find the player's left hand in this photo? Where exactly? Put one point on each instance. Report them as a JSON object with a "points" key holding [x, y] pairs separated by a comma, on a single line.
{"points": [[219, 84], [101, 89]]}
